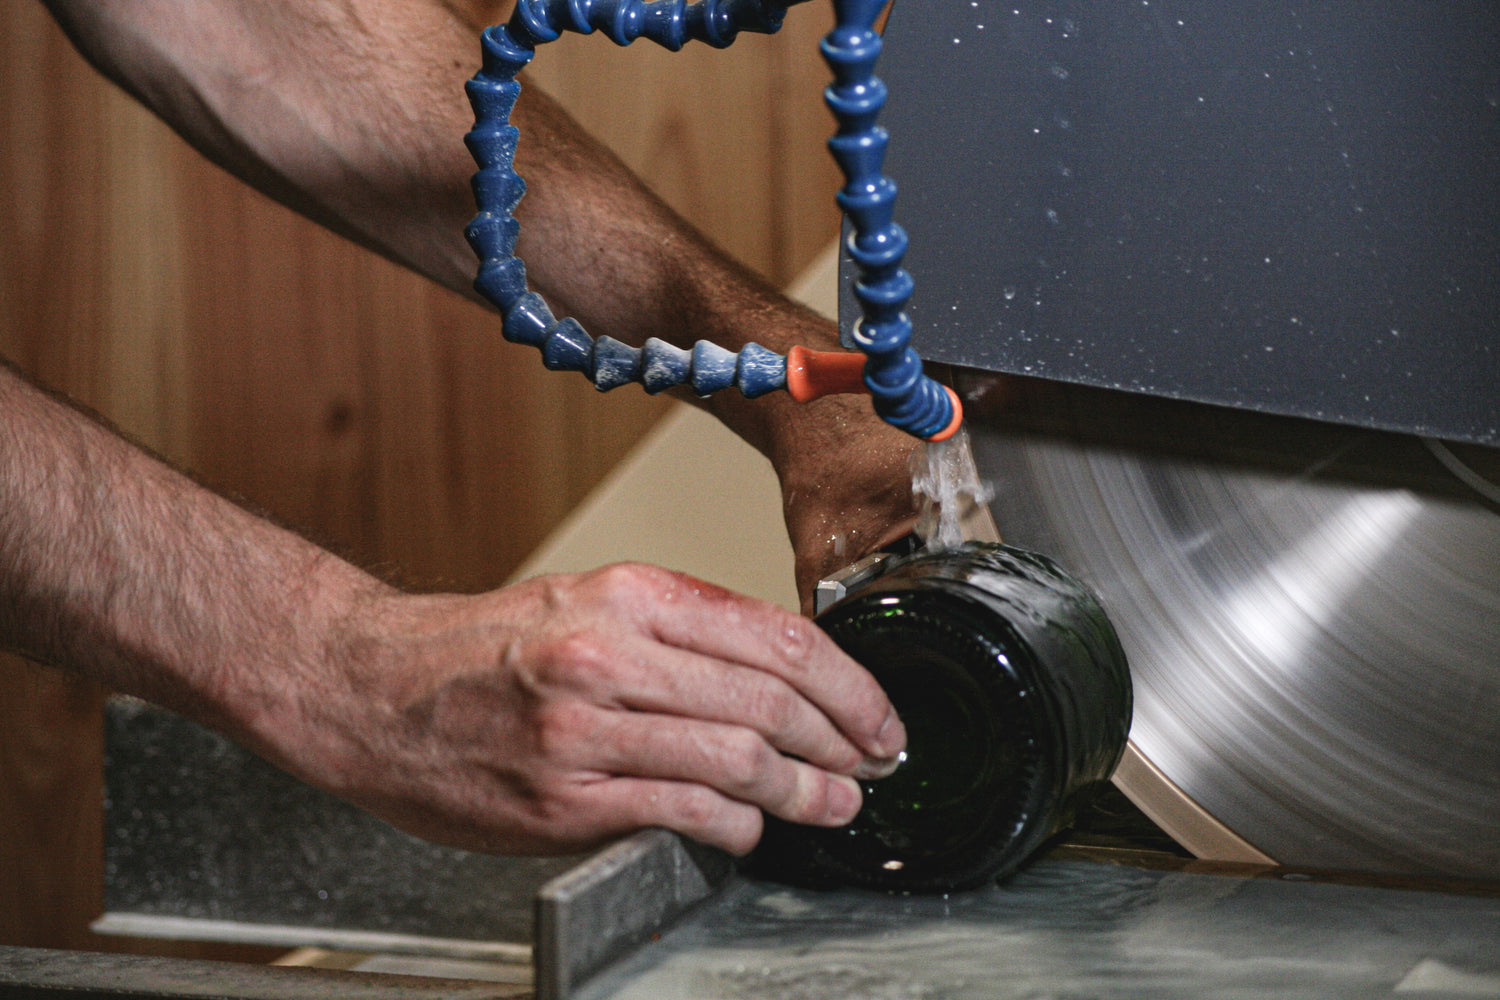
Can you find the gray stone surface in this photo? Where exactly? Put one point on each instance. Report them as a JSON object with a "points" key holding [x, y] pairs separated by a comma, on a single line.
{"points": [[199, 828], [1075, 930]]}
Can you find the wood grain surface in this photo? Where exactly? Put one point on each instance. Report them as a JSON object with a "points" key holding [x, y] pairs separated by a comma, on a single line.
{"points": [[344, 396]]}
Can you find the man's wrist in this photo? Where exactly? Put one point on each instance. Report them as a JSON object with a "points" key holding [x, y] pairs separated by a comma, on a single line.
{"points": [[270, 677]]}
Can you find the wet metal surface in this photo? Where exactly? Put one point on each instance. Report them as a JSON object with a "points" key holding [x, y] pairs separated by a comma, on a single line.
{"points": [[1077, 930], [1281, 206]]}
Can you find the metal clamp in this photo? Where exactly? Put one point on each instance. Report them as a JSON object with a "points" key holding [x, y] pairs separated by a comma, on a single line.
{"points": [[835, 588]]}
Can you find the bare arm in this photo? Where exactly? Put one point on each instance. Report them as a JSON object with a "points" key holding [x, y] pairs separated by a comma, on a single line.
{"points": [[548, 716], [545, 716], [353, 111]]}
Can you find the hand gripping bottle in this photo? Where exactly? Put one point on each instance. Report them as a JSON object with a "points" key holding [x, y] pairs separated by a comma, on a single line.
{"points": [[1016, 698]]}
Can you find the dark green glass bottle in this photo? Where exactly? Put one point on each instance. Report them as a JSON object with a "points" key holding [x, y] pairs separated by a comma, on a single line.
{"points": [[1016, 699]]}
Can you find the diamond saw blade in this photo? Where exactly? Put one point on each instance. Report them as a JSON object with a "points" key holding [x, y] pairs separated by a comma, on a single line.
{"points": [[1312, 615]]}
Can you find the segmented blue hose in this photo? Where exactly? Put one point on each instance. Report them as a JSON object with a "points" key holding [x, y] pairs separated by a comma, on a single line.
{"points": [[902, 394]]}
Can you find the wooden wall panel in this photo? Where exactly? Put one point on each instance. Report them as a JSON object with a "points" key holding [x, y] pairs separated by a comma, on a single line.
{"points": [[346, 397]]}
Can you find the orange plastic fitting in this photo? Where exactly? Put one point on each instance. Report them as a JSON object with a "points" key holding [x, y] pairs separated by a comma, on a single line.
{"points": [[813, 374], [956, 422]]}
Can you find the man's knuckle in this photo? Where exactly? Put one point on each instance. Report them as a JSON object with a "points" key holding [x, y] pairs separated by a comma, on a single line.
{"points": [[707, 814], [799, 636], [560, 727], [796, 641], [747, 760], [698, 807], [777, 708], [627, 582], [578, 657]]}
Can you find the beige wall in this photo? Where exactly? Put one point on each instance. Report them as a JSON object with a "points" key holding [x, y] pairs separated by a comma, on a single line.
{"points": [[382, 415]]}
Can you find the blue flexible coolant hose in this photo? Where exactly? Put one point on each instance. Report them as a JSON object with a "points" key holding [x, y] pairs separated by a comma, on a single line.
{"points": [[902, 394]]}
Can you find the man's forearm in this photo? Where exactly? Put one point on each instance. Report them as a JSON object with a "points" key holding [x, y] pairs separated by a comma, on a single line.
{"points": [[353, 112], [349, 111], [549, 716], [116, 566]]}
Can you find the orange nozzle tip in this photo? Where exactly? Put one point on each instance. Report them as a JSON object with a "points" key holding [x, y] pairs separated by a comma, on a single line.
{"points": [[796, 374], [813, 374], [955, 423]]}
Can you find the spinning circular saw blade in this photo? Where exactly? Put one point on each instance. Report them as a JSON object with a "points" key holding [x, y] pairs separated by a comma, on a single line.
{"points": [[1312, 615]]}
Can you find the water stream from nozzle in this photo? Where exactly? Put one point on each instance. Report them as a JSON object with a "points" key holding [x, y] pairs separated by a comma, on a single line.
{"points": [[948, 491]]}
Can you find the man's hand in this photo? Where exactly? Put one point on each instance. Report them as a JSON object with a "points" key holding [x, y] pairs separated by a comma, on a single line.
{"points": [[547, 716], [484, 720], [556, 714]]}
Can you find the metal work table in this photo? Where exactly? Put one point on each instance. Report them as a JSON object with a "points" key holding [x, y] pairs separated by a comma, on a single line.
{"points": [[1073, 925]]}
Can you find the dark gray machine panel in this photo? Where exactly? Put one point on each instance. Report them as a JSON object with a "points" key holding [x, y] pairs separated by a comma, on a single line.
{"points": [[1290, 207]]}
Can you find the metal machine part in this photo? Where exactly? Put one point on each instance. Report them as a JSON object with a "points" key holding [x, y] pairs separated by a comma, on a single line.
{"points": [[1311, 613], [617, 901], [1063, 927], [1274, 205], [1253, 250], [836, 586]]}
